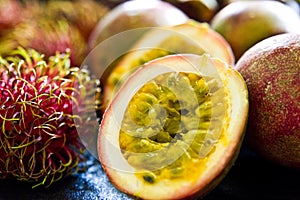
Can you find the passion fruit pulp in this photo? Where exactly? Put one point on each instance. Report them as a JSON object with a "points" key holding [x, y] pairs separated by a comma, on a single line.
{"points": [[190, 37], [174, 128]]}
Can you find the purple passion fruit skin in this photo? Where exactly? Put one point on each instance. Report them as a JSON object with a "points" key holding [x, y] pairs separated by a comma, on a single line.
{"points": [[136, 14], [245, 23], [271, 70], [202, 11]]}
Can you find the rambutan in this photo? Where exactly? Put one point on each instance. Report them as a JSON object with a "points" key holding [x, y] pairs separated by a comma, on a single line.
{"points": [[11, 13], [39, 141], [83, 14], [49, 26], [46, 36]]}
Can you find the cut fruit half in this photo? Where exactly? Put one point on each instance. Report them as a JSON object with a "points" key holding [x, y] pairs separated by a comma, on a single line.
{"points": [[174, 128], [191, 37]]}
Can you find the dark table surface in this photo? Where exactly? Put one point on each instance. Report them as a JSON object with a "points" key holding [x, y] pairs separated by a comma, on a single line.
{"points": [[250, 178]]}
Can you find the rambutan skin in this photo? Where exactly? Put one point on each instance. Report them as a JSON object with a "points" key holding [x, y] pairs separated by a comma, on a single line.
{"points": [[11, 13], [39, 141], [83, 14], [46, 36], [49, 26]]}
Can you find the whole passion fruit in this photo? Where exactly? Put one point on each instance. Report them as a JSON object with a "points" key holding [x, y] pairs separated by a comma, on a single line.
{"points": [[244, 23], [294, 4], [174, 128], [199, 10], [136, 14], [271, 69]]}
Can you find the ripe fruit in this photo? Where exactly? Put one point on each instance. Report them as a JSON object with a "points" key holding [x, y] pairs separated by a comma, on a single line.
{"points": [[51, 26], [174, 128], [199, 10], [190, 37], [136, 14], [113, 3], [83, 14], [38, 135], [271, 69], [11, 13], [291, 3], [244, 23], [46, 36]]}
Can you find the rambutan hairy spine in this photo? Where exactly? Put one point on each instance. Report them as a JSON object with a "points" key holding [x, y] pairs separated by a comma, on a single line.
{"points": [[39, 142]]}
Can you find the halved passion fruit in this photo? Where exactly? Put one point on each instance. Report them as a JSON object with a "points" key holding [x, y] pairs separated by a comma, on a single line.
{"points": [[174, 128], [191, 37]]}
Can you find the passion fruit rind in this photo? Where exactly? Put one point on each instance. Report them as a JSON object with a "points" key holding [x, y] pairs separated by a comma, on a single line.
{"points": [[159, 42], [179, 133]]}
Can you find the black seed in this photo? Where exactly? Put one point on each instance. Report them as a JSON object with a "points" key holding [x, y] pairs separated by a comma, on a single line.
{"points": [[178, 136], [148, 178], [184, 112]]}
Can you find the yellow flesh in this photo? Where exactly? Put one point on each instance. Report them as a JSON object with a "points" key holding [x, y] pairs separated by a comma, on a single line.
{"points": [[175, 43], [171, 126]]}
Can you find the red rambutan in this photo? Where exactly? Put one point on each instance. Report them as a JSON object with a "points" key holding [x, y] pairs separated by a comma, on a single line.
{"points": [[49, 26], [46, 36], [83, 14], [38, 131], [11, 13]]}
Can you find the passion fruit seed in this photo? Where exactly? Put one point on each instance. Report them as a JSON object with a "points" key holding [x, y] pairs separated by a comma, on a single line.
{"points": [[167, 126], [149, 178], [187, 158], [117, 77], [160, 42]]}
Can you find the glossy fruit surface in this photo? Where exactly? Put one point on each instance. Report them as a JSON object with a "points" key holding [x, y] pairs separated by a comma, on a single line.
{"points": [[174, 128], [136, 14], [271, 69], [200, 10], [244, 23]]}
